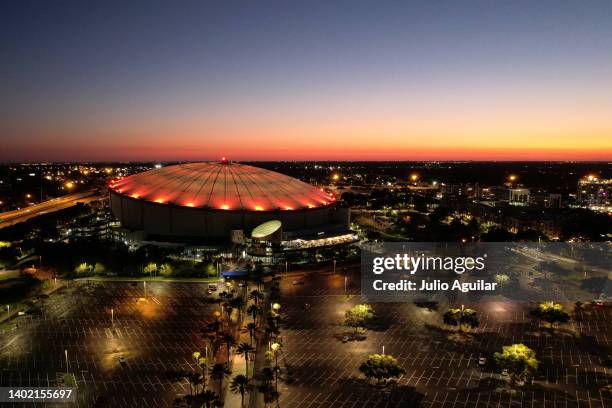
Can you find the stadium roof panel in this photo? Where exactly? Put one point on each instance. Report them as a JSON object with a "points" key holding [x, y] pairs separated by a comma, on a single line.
{"points": [[222, 185]]}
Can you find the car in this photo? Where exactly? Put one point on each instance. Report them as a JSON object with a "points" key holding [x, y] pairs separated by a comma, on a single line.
{"points": [[505, 372], [208, 291], [297, 282], [122, 361], [482, 361], [212, 287], [345, 339]]}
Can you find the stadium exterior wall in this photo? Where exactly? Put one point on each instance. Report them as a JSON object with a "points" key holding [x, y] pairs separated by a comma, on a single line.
{"points": [[173, 220]]}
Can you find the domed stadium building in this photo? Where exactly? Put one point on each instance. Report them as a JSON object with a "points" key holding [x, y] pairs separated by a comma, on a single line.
{"points": [[222, 201]]}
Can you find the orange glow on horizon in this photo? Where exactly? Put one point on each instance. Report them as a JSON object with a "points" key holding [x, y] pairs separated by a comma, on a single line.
{"points": [[369, 141]]}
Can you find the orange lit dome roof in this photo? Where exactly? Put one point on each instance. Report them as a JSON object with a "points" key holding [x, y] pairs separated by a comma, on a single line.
{"points": [[222, 185]]}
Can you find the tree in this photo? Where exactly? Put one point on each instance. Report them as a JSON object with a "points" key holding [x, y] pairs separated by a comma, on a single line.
{"points": [[99, 269], [150, 268], [212, 330], [218, 373], [210, 270], [194, 380], [166, 270], [461, 317], [250, 328], [83, 268], [519, 360], [551, 313], [210, 399], [243, 350], [501, 278], [381, 367], [256, 296], [270, 395], [238, 303], [241, 385], [359, 316], [253, 310], [229, 340]]}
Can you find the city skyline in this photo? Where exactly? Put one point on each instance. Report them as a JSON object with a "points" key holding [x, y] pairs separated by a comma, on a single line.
{"points": [[277, 81]]}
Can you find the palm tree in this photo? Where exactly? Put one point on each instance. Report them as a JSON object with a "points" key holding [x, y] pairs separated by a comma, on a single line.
{"points": [[212, 330], [461, 317], [250, 328], [241, 385], [218, 373], [243, 350], [253, 310], [228, 308], [256, 296], [210, 399], [270, 395], [272, 331], [229, 340], [238, 303], [194, 380]]}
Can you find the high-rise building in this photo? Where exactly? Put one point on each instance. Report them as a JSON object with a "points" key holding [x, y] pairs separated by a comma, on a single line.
{"points": [[594, 193]]}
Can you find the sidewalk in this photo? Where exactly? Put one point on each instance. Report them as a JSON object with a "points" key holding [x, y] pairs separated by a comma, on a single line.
{"points": [[238, 366]]}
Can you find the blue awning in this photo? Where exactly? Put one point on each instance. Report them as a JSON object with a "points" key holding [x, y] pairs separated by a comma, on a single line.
{"points": [[235, 273]]}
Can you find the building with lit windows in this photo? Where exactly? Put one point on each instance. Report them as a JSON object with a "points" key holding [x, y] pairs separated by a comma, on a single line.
{"points": [[595, 193]]}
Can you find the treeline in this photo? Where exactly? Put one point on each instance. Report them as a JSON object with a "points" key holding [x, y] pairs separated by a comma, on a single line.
{"points": [[81, 259]]}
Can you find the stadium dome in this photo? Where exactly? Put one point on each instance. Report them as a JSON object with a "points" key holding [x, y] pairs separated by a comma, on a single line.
{"points": [[214, 198]]}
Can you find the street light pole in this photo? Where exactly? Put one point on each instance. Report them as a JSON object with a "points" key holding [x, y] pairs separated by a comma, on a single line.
{"points": [[112, 316], [67, 366], [206, 376], [345, 280]]}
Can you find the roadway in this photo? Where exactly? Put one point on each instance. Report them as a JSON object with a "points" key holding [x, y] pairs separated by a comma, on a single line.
{"points": [[23, 214]]}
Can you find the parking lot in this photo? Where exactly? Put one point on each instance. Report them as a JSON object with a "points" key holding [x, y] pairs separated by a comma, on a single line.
{"points": [[442, 367], [154, 332]]}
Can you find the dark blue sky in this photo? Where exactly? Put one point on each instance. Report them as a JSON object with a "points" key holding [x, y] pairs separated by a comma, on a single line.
{"points": [[78, 78]]}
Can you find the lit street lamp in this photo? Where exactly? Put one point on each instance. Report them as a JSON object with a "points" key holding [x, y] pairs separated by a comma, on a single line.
{"points": [[275, 347]]}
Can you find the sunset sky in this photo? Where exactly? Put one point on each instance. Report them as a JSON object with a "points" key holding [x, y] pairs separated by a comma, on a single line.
{"points": [[326, 80]]}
